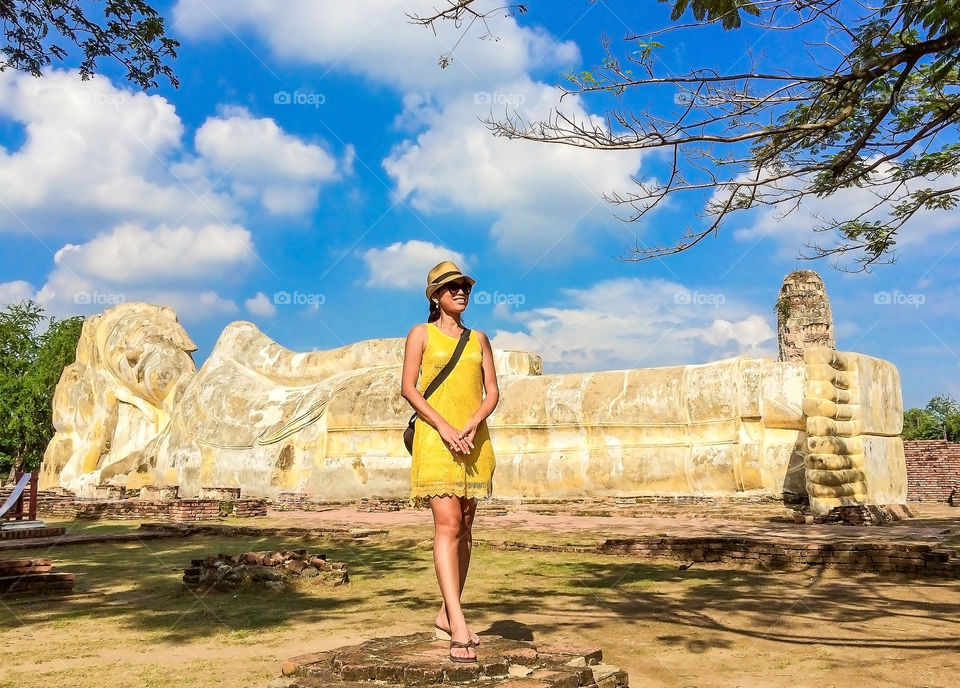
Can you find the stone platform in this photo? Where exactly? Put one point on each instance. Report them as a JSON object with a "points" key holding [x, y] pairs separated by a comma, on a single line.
{"points": [[149, 502], [65, 540], [420, 659], [32, 575], [25, 533]]}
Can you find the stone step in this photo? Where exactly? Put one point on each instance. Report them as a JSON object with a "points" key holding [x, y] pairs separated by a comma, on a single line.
{"points": [[33, 532], [63, 540], [24, 570], [37, 582], [9, 567], [420, 658], [20, 525]]}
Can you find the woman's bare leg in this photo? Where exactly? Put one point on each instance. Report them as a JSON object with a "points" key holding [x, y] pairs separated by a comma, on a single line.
{"points": [[448, 532], [468, 509]]}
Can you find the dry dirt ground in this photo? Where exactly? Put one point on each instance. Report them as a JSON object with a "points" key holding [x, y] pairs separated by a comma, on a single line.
{"points": [[131, 622]]}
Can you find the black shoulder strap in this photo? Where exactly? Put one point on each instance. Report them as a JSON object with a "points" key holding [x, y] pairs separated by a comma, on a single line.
{"points": [[441, 376]]}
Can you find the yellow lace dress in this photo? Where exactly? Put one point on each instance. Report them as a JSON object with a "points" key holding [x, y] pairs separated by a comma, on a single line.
{"points": [[434, 468]]}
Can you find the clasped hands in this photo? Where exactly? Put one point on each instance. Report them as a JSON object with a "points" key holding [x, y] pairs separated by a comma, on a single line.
{"points": [[460, 440]]}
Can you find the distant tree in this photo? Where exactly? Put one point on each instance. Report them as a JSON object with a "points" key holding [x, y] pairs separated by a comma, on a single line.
{"points": [[129, 31], [31, 363], [953, 427], [919, 424], [873, 103], [946, 412]]}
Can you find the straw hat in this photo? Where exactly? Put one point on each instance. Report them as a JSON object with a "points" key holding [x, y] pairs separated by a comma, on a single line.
{"points": [[442, 273]]}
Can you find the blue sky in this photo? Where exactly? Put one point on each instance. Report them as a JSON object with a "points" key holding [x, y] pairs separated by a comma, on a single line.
{"points": [[316, 149]]}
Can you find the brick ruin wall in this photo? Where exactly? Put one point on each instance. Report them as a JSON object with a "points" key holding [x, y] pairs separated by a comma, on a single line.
{"points": [[933, 475], [933, 471], [57, 505]]}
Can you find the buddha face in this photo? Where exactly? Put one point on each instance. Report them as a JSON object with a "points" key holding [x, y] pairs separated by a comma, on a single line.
{"points": [[149, 355], [153, 366]]}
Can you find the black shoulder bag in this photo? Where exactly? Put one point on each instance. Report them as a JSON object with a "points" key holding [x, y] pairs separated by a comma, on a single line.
{"points": [[441, 376]]}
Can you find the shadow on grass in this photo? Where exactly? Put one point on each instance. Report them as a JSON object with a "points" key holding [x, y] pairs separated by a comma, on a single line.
{"points": [[733, 604], [137, 586]]}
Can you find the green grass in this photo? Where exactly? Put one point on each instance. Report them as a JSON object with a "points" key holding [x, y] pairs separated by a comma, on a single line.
{"points": [[131, 622], [129, 596]]}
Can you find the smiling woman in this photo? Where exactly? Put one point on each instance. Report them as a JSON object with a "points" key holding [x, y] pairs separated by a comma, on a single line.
{"points": [[453, 460]]}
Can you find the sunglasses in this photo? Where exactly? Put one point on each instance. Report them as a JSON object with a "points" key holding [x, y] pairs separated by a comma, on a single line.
{"points": [[453, 287]]}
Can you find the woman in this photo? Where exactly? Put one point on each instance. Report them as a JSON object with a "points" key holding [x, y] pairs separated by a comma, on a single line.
{"points": [[453, 461]]}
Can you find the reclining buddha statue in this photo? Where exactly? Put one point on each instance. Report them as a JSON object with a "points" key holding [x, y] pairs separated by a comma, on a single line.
{"points": [[134, 410]]}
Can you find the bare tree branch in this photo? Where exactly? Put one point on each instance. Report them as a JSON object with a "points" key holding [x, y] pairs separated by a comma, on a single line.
{"points": [[883, 117]]}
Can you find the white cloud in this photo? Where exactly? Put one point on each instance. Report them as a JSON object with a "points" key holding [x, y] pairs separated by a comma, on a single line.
{"points": [[92, 151], [349, 157], [637, 323], [15, 291], [748, 333], [547, 200], [134, 263], [67, 293], [375, 39], [402, 265], [794, 230], [261, 305], [543, 202], [132, 254], [260, 158], [96, 154], [192, 306]]}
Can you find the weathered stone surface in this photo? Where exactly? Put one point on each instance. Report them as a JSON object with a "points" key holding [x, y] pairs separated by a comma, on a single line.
{"points": [[134, 410], [854, 419], [419, 659], [917, 559], [159, 492], [804, 317], [32, 576], [607, 676], [523, 656], [220, 493], [270, 569]]}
